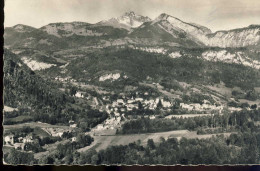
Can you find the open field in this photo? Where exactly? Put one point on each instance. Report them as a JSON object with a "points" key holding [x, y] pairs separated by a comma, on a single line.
{"points": [[221, 89], [250, 102], [102, 142], [22, 118], [160, 89], [35, 124]]}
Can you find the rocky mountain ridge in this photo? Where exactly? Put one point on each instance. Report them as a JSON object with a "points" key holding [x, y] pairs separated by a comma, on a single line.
{"points": [[164, 28]]}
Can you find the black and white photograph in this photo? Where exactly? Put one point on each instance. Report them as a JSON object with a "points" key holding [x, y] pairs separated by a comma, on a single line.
{"points": [[131, 82]]}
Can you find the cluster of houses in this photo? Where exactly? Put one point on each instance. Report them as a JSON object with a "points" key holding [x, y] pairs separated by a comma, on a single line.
{"points": [[18, 143], [124, 104], [201, 107], [111, 123], [66, 79], [56, 132]]}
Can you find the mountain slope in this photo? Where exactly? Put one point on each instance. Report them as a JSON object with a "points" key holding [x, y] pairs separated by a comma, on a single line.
{"points": [[27, 91], [136, 65], [172, 24], [21, 36], [163, 31], [23, 86]]}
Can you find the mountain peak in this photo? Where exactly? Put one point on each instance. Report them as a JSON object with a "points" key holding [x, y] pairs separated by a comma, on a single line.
{"points": [[165, 16], [128, 20], [130, 13]]}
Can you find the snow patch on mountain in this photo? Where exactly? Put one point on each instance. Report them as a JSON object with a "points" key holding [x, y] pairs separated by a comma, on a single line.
{"points": [[35, 65], [110, 76]]}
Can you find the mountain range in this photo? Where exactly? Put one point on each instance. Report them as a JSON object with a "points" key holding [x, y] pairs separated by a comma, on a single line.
{"points": [[56, 44], [137, 29]]}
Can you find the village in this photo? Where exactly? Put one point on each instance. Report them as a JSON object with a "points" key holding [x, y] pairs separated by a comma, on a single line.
{"points": [[121, 108], [18, 138]]}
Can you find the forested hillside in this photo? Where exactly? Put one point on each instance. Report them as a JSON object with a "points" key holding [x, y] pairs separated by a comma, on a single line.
{"points": [[138, 65], [37, 97]]}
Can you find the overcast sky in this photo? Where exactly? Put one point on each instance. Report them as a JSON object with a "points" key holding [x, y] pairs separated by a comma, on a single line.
{"points": [[214, 14]]}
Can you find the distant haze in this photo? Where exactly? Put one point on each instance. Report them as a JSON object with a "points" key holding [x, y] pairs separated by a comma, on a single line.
{"points": [[214, 14]]}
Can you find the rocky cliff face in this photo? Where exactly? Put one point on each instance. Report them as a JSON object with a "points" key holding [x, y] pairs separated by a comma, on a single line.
{"points": [[242, 37], [234, 38]]}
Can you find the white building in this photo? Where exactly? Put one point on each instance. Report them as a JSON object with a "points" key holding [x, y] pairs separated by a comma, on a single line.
{"points": [[139, 99], [131, 106], [28, 139], [186, 106], [166, 104], [117, 114], [130, 101], [19, 146], [73, 125], [73, 139], [120, 102], [9, 139], [152, 117], [79, 94], [20, 139]]}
